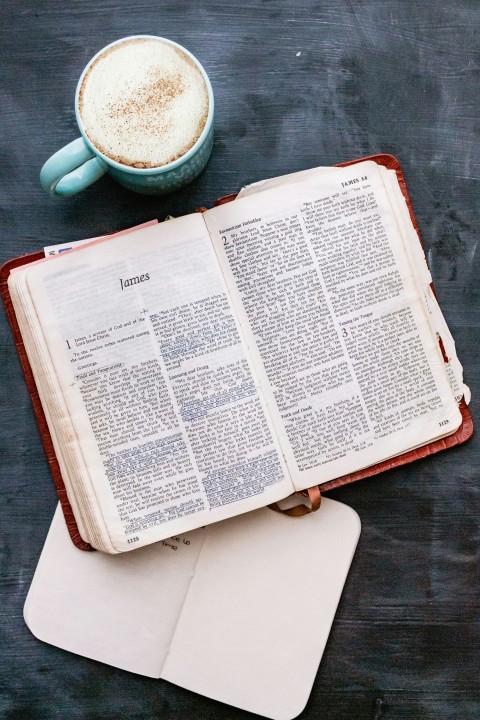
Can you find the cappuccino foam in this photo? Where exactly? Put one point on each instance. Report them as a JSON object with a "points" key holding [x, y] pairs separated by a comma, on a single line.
{"points": [[143, 103]]}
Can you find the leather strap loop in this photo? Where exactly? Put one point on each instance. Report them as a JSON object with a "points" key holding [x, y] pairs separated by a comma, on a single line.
{"points": [[315, 498]]}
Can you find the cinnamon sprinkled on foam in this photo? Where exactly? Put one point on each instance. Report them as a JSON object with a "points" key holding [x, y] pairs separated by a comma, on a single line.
{"points": [[143, 103]]}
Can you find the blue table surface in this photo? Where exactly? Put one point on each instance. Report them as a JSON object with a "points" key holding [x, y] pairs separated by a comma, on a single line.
{"points": [[297, 84]]}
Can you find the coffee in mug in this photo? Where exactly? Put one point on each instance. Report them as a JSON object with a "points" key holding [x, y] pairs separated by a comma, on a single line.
{"points": [[143, 103], [144, 107]]}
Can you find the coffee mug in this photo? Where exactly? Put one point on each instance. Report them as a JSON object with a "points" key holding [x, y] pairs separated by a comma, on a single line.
{"points": [[83, 161]]}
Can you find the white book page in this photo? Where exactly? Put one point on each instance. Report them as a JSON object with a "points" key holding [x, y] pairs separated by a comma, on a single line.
{"points": [[45, 381], [59, 248], [417, 257], [281, 180], [419, 266], [332, 313], [259, 610], [240, 614], [119, 609], [168, 426]]}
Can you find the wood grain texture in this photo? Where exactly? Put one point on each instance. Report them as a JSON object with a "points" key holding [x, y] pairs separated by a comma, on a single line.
{"points": [[297, 83]]}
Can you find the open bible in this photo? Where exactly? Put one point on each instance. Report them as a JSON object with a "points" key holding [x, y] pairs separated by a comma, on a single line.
{"points": [[221, 361]]}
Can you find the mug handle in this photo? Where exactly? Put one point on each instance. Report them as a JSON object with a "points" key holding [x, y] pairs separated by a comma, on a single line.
{"points": [[71, 169]]}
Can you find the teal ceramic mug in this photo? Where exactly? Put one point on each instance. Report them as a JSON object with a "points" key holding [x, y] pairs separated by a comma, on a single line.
{"points": [[81, 163]]}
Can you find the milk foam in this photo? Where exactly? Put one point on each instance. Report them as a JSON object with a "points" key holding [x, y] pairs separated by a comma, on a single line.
{"points": [[143, 103]]}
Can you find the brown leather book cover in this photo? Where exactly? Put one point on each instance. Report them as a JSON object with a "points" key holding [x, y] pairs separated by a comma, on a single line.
{"points": [[463, 433]]}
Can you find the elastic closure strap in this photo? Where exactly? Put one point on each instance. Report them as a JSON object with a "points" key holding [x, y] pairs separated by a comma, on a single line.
{"points": [[315, 498]]}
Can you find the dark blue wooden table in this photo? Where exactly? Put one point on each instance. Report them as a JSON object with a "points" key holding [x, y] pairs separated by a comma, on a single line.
{"points": [[297, 83]]}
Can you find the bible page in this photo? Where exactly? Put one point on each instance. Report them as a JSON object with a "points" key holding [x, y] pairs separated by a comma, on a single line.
{"points": [[417, 261], [46, 381], [333, 315], [161, 411], [420, 268]]}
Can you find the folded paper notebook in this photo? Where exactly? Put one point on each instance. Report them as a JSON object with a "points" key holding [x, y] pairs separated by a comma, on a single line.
{"points": [[239, 611], [218, 362]]}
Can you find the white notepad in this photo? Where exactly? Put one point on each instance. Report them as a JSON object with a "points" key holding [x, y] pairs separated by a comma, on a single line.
{"points": [[239, 611]]}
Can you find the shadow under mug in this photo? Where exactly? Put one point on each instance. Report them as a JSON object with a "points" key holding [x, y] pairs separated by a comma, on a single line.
{"points": [[79, 164]]}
